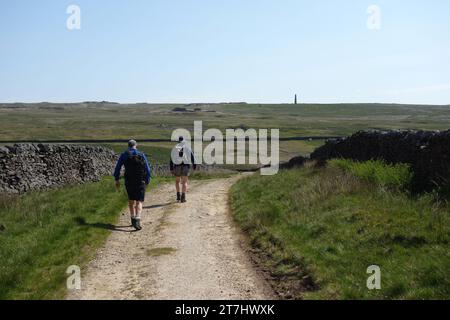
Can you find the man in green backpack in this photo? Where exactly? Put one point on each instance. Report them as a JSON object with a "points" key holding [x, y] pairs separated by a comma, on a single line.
{"points": [[137, 177]]}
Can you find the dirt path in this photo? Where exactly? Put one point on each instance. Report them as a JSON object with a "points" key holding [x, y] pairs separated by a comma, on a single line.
{"points": [[185, 251]]}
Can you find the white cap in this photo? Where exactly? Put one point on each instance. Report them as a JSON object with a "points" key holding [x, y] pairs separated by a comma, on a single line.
{"points": [[132, 143]]}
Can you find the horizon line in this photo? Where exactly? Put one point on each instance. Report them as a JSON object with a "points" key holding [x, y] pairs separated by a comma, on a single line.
{"points": [[223, 103]]}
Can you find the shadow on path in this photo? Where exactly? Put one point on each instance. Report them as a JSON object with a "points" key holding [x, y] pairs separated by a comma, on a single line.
{"points": [[158, 205], [82, 222]]}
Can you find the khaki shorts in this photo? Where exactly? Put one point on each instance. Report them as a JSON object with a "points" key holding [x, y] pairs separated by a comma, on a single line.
{"points": [[181, 170]]}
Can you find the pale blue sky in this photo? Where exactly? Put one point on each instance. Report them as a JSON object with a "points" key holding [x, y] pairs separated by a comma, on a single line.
{"points": [[230, 50]]}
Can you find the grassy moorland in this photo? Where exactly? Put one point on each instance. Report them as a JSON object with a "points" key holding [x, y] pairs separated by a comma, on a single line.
{"points": [[108, 120], [42, 121], [319, 229]]}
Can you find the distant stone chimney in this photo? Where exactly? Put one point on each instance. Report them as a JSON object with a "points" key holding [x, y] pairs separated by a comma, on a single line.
{"points": [[295, 99]]}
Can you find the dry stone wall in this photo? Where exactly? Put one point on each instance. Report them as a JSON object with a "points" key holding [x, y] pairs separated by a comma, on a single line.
{"points": [[25, 167], [428, 153]]}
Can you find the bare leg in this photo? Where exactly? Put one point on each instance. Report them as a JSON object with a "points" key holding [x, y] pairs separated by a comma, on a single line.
{"points": [[184, 184], [138, 208], [137, 219], [131, 207], [177, 183]]}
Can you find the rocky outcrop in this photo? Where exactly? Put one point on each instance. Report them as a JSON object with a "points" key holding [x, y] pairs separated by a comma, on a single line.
{"points": [[428, 153], [25, 167]]}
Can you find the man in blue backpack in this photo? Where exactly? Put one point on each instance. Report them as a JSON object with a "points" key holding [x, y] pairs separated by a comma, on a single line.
{"points": [[137, 177]]}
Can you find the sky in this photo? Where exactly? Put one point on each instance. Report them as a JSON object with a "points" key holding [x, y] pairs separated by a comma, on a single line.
{"points": [[258, 51]]}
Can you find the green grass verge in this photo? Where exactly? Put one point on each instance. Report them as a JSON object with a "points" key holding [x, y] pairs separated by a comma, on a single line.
{"points": [[324, 227], [42, 236]]}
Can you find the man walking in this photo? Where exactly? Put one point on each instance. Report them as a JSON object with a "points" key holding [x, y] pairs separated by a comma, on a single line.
{"points": [[137, 177], [180, 163]]}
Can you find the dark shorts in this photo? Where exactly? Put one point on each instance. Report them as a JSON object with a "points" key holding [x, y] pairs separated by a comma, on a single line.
{"points": [[136, 191], [181, 170]]}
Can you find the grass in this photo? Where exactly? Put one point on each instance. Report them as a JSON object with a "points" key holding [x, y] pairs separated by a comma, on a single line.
{"points": [[45, 232], [159, 153], [124, 121], [376, 171], [319, 229], [155, 154]]}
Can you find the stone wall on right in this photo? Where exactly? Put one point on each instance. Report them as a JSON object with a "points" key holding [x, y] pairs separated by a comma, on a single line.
{"points": [[428, 153]]}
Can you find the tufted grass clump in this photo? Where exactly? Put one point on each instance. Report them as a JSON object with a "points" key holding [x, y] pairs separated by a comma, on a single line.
{"points": [[377, 171]]}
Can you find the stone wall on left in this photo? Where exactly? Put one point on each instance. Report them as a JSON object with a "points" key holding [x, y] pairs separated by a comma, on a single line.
{"points": [[25, 167]]}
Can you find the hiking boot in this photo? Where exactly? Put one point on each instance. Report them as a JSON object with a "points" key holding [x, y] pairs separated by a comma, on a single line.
{"points": [[178, 196], [183, 197], [133, 222], [137, 224]]}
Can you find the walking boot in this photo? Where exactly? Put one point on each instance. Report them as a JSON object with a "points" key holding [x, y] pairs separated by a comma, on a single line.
{"points": [[137, 223]]}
